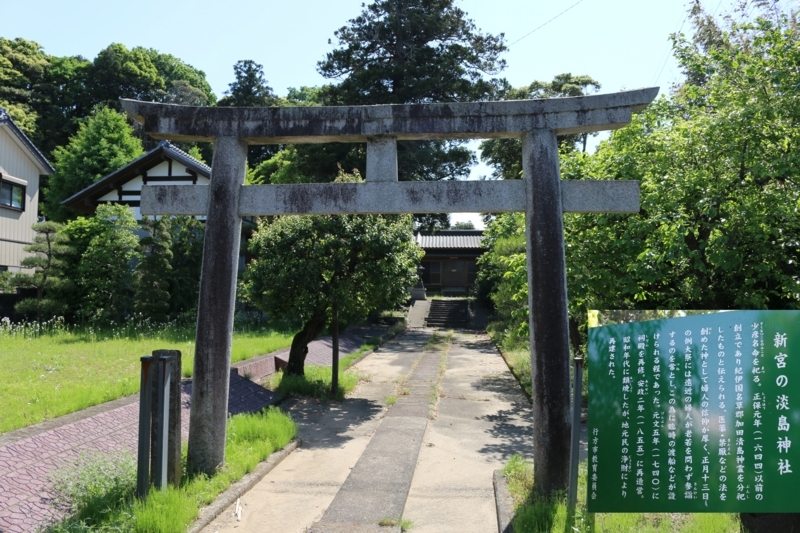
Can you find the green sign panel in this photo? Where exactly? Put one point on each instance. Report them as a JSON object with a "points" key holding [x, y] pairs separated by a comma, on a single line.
{"points": [[696, 414]]}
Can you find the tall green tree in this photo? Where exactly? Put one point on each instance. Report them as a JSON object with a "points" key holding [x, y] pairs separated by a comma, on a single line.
{"points": [[103, 144], [105, 272], [304, 266], [118, 72], [48, 96], [151, 276], [505, 155], [183, 84], [185, 266], [401, 52], [719, 226], [250, 89], [23, 65], [48, 248]]}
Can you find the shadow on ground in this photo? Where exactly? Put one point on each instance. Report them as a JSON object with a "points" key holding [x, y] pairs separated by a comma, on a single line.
{"points": [[328, 425]]}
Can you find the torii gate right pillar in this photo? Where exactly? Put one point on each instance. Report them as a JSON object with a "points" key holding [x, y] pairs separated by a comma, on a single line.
{"points": [[547, 306]]}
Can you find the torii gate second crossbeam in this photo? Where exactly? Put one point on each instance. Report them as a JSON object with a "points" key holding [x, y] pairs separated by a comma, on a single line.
{"points": [[541, 195]]}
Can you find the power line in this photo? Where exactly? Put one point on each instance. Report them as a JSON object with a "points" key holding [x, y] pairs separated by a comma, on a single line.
{"points": [[545, 24], [666, 58]]}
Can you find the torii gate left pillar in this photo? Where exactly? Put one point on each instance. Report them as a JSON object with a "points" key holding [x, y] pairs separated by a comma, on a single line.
{"points": [[542, 195]]}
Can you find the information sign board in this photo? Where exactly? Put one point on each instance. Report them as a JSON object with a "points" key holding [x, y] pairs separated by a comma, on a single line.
{"points": [[696, 414]]}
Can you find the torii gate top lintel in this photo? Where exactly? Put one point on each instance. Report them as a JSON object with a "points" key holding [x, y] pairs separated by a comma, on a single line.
{"points": [[460, 120]]}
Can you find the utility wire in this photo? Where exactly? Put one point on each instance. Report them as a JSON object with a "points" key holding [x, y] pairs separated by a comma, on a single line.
{"points": [[545, 24], [666, 58]]}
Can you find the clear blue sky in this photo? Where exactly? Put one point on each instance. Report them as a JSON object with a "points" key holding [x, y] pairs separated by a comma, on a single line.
{"points": [[624, 44]]}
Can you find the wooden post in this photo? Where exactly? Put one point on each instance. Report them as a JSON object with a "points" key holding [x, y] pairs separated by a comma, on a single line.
{"points": [[211, 379], [547, 299], [335, 351]]}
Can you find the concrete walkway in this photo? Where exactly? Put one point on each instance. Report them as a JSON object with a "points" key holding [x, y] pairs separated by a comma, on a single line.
{"points": [[29, 456], [363, 461]]}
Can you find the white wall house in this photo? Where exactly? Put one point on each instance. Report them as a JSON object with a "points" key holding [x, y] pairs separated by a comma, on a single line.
{"points": [[21, 165], [163, 165]]}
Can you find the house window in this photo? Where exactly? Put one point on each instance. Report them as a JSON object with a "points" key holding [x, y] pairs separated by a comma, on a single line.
{"points": [[12, 195]]}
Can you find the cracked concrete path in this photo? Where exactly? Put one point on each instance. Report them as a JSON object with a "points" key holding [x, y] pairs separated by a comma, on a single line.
{"points": [[335, 483], [481, 420], [300, 489]]}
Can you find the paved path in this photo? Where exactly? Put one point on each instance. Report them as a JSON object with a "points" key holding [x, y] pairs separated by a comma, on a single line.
{"points": [[29, 456], [363, 461]]}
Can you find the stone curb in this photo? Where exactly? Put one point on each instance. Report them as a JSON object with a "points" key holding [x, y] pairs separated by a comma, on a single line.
{"points": [[503, 503], [224, 500], [383, 341]]}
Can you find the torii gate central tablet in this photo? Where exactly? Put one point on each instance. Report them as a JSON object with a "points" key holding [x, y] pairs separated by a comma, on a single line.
{"points": [[541, 195]]}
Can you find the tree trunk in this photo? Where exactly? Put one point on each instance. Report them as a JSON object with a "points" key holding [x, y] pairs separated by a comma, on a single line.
{"points": [[299, 349]]}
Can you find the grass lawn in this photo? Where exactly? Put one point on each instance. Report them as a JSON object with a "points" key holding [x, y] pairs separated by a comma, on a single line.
{"points": [[45, 375], [547, 517], [99, 494]]}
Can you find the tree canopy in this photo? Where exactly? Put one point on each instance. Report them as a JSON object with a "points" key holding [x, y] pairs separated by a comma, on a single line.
{"points": [[302, 265], [104, 273], [398, 52], [719, 226], [48, 96], [102, 145], [505, 155], [48, 248]]}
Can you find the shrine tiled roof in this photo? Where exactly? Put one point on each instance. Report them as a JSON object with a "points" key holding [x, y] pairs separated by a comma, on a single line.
{"points": [[456, 239]]}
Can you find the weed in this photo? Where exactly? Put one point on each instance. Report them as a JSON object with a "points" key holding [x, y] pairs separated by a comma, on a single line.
{"points": [[438, 341], [390, 400], [550, 515], [316, 383], [54, 370], [405, 525], [98, 482], [100, 494]]}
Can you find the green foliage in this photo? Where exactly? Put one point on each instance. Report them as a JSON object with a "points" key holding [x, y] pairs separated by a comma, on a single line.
{"points": [[49, 245], [467, 224], [398, 52], [6, 283], [250, 88], [186, 235], [22, 115], [97, 483], [183, 83], [22, 66], [394, 42], [105, 274], [304, 264], [103, 498], [151, 277], [503, 279], [51, 369], [102, 145], [537, 515], [719, 226], [49, 96], [315, 383]]}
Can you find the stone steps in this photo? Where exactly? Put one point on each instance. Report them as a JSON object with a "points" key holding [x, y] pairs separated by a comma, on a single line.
{"points": [[448, 314]]}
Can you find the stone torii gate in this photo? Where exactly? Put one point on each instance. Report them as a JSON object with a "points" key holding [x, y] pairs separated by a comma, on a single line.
{"points": [[541, 195]]}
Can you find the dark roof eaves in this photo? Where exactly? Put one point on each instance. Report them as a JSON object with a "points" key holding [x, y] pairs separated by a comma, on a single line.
{"points": [[74, 201], [5, 119]]}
